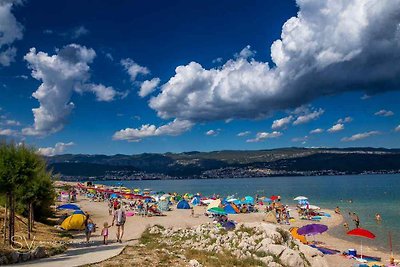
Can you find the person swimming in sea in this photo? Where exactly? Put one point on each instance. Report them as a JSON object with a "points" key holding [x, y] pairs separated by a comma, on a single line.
{"points": [[378, 218]]}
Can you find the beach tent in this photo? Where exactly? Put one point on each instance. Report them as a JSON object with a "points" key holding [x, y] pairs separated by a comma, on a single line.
{"points": [[163, 205], [296, 235], [231, 209], [183, 204], [229, 225], [214, 203], [271, 217], [74, 222], [195, 201]]}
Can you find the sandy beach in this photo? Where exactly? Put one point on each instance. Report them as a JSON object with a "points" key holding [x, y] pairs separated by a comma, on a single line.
{"points": [[135, 225]]}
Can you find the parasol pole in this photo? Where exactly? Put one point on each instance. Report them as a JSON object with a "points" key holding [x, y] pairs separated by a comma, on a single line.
{"points": [[390, 244], [361, 250]]}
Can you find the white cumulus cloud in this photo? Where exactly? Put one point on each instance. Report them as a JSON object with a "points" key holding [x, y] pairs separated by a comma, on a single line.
{"points": [[212, 132], [245, 133], [309, 116], [79, 31], [8, 132], [148, 87], [61, 74], [360, 136], [173, 128], [317, 131], [133, 68], [303, 139], [384, 113], [317, 50], [336, 128], [11, 123], [59, 148], [397, 129], [10, 31], [345, 120], [280, 123], [264, 135]]}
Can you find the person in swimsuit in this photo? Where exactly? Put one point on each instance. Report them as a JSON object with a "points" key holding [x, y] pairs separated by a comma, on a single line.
{"points": [[104, 232], [119, 220]]}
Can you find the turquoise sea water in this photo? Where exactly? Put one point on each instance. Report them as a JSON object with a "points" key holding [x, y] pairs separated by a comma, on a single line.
{"points": [[370, 194]]}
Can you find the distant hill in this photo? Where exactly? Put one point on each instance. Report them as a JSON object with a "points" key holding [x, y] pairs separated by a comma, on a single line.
{"points": [[194, 164]]}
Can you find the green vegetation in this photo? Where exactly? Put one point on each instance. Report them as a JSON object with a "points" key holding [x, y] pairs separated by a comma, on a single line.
{"points": [[25, 186]]}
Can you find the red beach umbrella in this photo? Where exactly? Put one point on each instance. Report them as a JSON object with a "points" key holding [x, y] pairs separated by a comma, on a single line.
{"points": [[273, 198], [361, 233]]}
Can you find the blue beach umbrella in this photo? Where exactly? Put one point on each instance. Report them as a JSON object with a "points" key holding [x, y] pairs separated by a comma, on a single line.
{"points": [[68, 207], [114, 196], [248, 200], [79, 212], [267, 200]]}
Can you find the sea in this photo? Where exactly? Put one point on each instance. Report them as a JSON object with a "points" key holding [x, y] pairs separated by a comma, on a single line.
{"points": [[365, 195]]}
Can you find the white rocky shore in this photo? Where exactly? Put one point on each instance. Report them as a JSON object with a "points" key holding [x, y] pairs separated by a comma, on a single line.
{"points": [[270, 245]]}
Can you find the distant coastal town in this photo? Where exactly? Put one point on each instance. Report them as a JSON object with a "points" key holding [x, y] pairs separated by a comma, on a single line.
{"points": [[223, 173]]}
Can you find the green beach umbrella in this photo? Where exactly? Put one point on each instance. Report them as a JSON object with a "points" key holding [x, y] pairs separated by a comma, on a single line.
{"points": [[217, 210]]}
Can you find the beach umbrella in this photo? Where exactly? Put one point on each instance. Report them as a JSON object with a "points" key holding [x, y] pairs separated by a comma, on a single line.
{"points": [[267, 199], [78, 212], [360, 232], [114, 196], [68, 207], [136, 190], [312, 229], [214, 203], [248, 200], [300, 198], [273, 198], [217, 210]]}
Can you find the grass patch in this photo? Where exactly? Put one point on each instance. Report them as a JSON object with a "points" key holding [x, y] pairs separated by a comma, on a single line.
{"points": [[284, 234], [244, 229]]}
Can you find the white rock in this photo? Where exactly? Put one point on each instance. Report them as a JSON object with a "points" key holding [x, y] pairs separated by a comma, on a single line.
{"points": [[194, 263], [291, 258], [319, 261]]}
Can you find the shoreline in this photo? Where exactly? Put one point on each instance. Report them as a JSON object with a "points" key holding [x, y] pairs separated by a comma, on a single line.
{"points": [[181, 218]]}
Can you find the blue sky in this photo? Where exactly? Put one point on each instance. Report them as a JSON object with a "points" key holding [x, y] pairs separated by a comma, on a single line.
{"points": [[158, 76]]}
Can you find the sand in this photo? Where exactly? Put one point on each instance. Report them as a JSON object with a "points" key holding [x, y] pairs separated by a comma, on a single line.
{"points": [[135, 225]]}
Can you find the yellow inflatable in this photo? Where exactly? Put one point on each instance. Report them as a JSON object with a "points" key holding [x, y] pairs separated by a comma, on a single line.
{"points": [[74, 222], [294, 233]]}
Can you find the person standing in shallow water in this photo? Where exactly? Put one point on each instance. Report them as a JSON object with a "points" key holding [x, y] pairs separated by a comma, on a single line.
{"points": [[356, 219]]}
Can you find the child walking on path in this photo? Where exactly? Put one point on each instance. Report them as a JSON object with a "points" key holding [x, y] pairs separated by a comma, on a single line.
{"points": [[104, 233]]}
